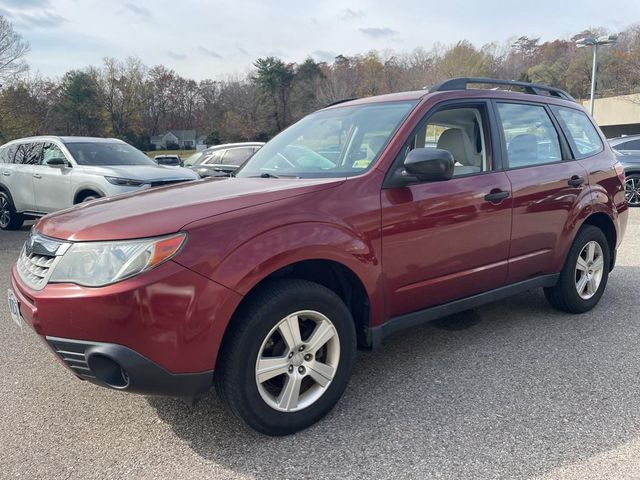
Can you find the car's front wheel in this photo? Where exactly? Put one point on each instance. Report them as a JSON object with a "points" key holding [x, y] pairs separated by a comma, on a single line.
{"points": [[632, 189], [9, 218], [288, 359]]}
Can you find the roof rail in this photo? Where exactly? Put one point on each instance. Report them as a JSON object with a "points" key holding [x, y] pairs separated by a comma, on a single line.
{"points": [[338, 102], [532, 88]]}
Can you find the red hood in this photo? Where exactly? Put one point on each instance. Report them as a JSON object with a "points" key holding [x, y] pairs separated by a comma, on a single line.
{"points": [[166, 210]]}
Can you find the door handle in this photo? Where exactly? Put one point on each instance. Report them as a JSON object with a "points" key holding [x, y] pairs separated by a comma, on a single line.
{"points": [[37, 175], [5, 173], [496, 195], [575, 181]]}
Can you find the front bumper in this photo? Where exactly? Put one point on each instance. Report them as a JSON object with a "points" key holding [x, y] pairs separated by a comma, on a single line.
{"points": [[163, 327], [119, 367]]}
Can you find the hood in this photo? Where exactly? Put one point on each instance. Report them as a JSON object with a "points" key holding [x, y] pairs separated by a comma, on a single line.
{"points": [[147, 173], [165, 210]]}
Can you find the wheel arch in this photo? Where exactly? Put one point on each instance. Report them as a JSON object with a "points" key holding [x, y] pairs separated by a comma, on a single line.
{"points": [[604, 222], [331, 274], [84, 192]]}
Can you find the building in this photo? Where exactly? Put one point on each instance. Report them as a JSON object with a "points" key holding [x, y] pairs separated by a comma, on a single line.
{"points": [[185, 139], [618, 115]]}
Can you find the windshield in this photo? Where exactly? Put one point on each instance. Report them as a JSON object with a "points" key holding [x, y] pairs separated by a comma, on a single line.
{"points": [[337, 142], [107, 153], [193, 159]]}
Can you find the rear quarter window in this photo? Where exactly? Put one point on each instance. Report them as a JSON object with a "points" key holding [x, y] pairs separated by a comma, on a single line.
{"points": [[582, 135]]}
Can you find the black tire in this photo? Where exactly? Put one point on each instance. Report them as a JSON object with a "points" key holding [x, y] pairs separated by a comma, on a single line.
{"points": [[564, 295], [632, 189], [235, 376], [9, 218], [89, 197]]}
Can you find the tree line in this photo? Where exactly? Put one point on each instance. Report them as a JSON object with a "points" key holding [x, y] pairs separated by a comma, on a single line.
{"points": [[132, 101]]}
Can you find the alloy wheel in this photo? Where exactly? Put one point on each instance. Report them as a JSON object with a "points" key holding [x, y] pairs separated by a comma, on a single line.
{"points": [[589, 270], [5, 212], [632, 190], [297, 361]]}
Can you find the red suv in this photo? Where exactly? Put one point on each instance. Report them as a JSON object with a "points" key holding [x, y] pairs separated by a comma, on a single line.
{"points": [[362, 219]]}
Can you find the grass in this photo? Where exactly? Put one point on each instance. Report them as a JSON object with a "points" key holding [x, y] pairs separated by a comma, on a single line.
{"points": [[183, 153]]}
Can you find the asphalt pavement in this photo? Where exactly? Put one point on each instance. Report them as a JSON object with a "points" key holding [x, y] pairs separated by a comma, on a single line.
{"points": [[512, 390]]}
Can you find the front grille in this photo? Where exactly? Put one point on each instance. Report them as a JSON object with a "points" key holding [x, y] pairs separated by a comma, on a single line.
{"points": [[72, 354], [35, 269], [38, 258], [163, 183]]}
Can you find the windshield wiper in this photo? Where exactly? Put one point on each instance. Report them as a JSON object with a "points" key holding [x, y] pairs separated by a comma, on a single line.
{"points": [[268, 175]]}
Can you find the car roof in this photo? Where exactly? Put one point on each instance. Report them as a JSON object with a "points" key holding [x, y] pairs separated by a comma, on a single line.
{"points": [[231, 145], [418, 95], [623, 139], [66, 139]]}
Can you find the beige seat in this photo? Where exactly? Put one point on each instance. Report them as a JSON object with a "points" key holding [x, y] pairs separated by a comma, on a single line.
{"points": [[458, 144]]}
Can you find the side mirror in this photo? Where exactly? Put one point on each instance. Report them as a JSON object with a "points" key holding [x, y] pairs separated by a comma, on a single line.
{"points": [[429, 164], [57, 162]]}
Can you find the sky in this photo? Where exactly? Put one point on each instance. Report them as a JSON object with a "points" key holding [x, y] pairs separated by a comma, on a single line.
{"points": [[220, 39]]}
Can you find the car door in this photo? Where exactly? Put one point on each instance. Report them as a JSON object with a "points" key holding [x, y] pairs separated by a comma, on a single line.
{"points": [[52, 184], [443, 241], [547, 185], [18, 174]]}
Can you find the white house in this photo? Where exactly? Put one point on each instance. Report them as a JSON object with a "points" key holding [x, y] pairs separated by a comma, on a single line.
{"points": [[185, 139]]}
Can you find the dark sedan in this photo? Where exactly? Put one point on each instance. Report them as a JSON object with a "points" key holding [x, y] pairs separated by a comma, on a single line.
{"points": [[631, 163], [222, 159]]}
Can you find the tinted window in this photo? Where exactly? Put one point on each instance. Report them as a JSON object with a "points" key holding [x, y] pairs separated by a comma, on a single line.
{"points": [[107, 153], [4, 155], [632, 145], [236, 156], [9, 154], [582, 135], [531, 138]]}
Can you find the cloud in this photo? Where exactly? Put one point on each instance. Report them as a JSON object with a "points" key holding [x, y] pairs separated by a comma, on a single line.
{"points": [[41, 19], [350, 14], [208, 52], [324, 55], [378, 32], [176, 56], [139, 11], [25, 4]]}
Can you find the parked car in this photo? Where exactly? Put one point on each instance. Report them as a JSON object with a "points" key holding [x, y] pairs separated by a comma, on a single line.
{"points": [[40, 175], [626, 144], [265, 283], [222, 159], [631, 162], [168, 160]]}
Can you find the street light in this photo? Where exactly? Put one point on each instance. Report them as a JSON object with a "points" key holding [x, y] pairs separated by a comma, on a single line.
{"points": [[595, 42]]}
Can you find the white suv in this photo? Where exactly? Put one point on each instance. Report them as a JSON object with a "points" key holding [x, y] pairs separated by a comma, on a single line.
{"points": [[39, 175]]}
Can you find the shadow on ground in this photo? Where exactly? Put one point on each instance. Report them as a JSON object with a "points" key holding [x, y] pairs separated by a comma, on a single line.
{"points": [[510, 390]]}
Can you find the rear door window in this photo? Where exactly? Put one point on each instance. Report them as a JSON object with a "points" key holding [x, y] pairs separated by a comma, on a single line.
{"points": [[529, 134], [28, 153], [582, 135], [631, 145], [237, 156]]}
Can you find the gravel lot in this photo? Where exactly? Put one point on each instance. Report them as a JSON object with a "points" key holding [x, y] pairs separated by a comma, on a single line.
{"points": [[511, 390]]}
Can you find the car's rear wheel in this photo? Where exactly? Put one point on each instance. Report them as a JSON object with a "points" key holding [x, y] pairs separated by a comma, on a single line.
{"points": [[9, 218], [288, 359], [585, 274], [632, 189]]}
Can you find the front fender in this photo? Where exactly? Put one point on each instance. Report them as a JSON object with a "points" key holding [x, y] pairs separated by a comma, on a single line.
{"points": [[262, 255]]}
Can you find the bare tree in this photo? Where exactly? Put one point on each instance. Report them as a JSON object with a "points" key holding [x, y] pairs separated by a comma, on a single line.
{"points": [[12, 51]]}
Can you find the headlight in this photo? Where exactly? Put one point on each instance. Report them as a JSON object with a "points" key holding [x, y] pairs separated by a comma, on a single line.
{"points": [[95, 264], [124, 182]]}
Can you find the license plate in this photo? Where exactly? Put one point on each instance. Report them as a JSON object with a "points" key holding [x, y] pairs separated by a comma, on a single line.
{"points": [[14, 309]]}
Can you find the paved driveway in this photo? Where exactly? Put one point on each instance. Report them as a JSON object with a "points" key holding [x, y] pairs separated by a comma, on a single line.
{"points": [[511, 390]]}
